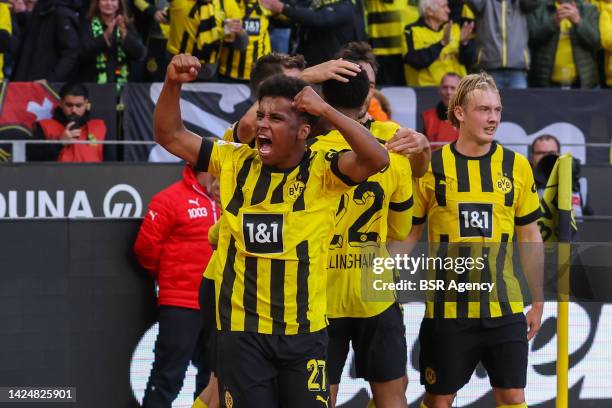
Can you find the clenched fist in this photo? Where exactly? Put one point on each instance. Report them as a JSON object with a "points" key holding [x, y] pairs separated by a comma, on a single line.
{"points": [[309, 101], [183, 68]]}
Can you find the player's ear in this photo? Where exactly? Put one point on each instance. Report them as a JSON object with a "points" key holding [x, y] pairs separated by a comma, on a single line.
{"points": [[303, 131], [459, 113]]}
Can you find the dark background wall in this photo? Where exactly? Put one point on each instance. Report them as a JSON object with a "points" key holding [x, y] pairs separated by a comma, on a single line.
{"points": [[74, 304]]}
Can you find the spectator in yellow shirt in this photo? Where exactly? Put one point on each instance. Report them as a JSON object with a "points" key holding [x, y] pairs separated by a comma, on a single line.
{"points": [[436, 45], [564, 39]]}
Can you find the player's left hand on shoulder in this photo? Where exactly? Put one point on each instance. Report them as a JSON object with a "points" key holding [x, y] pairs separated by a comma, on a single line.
{"points": [[308, 100], [407, 141]]}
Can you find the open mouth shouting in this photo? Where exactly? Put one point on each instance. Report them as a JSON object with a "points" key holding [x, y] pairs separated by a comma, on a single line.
{"points": [[264, 145]]}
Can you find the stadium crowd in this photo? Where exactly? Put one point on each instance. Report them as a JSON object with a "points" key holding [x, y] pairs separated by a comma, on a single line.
{"points": [[540, 43], [520, 43]]}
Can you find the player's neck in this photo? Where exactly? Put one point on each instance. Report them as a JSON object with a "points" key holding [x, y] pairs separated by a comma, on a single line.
{"points": [[293, 159], [471, 148], [350, 113]]}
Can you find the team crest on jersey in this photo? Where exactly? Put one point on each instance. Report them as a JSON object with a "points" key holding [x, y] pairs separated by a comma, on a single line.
{"points": [[294, 189], [225, 142], [503, 185], [430, 376], [229, 401]]}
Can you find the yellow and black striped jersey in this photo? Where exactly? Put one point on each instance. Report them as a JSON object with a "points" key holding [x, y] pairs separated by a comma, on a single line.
{"points": [[385, 21], [237, 64], [196, 27], [382, 130], [477, 201], [370, 214], [419, 39], [270, 260]]}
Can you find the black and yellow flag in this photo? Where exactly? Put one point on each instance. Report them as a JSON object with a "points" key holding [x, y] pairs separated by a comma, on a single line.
{"points": [[557, 222]]}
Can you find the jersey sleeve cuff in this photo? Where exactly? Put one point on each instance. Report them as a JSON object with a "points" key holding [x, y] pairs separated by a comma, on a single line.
{"points": [[418, 220], [336, 170], [529, 218], [402, 206], [236, 138], [204, 156], [235, 132]]}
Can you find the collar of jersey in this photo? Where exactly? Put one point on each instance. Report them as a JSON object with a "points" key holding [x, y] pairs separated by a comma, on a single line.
{"points": [[274, 169], [484, 156]]}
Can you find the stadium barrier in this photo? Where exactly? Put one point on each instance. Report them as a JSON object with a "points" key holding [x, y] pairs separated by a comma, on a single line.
{"points": [[78, 311]]}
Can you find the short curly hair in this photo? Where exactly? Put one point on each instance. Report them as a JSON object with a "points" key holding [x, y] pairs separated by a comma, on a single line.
{"points": [[359, 51], [272, 64], [350, 95]]}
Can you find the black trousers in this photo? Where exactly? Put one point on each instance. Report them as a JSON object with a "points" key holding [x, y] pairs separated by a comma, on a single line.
{"points": [[178, 342]]}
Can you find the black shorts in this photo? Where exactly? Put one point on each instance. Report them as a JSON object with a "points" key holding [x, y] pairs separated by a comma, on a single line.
{"points": [[208, 340], [452, 348], [269, 370], [379, 343]]}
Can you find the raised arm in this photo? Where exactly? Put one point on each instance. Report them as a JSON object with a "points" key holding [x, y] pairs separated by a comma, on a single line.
{"points": [[337, 69], [367, 155], [167, 123]]}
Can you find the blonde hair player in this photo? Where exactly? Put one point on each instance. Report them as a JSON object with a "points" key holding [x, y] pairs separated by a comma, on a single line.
{"points": [[482, 195]]}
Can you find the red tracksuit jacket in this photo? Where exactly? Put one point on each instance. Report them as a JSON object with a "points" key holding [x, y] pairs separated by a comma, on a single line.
{"points": [[172, 242]]}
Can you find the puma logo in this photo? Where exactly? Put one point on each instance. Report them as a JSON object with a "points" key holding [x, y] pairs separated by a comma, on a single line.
{"points": [[195, 202], [152, 214], [323, 400]]}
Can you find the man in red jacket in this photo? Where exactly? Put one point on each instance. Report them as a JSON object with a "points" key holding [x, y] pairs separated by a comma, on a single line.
{"points": [[70, 122], [173, 246], [436, 126]]}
